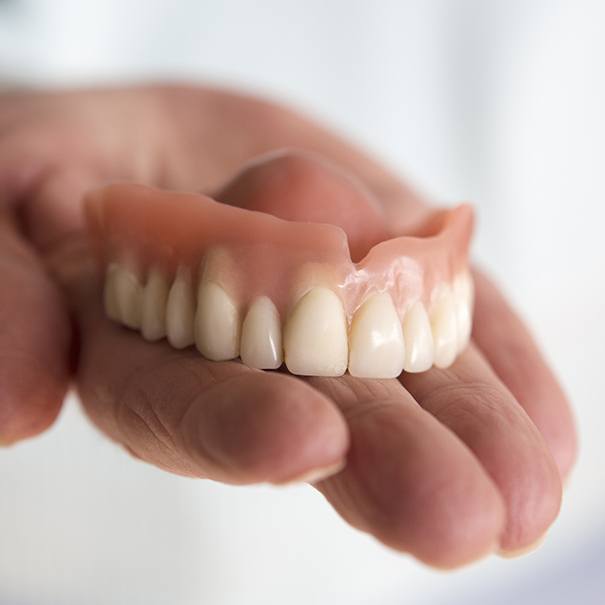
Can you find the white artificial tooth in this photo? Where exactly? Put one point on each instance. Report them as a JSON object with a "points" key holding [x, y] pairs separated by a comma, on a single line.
{"points": [[155, 297], [315, 335], [443, 324], [129, 297], [110, 295], [463, 297], [418, 337], [376, 347], [464, 283], [463, 325], [261, 346], [180, 310], [217, 323]]}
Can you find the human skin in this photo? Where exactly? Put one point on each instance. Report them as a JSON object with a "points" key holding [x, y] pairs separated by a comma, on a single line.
{"points": [[447, 465]]}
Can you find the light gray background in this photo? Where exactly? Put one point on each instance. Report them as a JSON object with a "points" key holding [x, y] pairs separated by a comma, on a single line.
{"points": [[500, 102]]}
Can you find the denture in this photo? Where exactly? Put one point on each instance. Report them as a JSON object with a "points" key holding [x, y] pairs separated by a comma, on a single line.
{"points": [[236, 282]]}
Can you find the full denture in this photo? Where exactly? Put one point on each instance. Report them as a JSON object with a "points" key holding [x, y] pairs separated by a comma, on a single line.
{"points": [[236, 282]]}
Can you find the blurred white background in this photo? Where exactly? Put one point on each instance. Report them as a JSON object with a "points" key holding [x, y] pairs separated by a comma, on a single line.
{"points": [[500, 102]]}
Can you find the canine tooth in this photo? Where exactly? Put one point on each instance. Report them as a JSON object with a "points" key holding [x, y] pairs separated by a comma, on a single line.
{"points": [[376, 340], [261, 336], [463, 295], [315, 335], [129, 297], [180, 310], [110, 298], [418, 337], [155, 297], [443, 324], [217, 324]]}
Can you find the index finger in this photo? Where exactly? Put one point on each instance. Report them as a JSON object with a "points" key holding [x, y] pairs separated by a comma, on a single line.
{"points": [[171, 408]]}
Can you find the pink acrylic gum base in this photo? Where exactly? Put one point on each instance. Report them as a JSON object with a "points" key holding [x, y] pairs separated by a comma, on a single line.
{"points": [[253, 254]]}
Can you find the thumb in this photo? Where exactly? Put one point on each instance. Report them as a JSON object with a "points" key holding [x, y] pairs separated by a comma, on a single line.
{"points": [[54, 221], [35, 335]]}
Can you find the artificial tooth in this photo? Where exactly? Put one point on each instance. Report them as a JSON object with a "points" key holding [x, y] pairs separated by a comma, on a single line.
{"points": [[261, 345], [315, 335], [110, 298], [463, 297], [129, 297], [376, 340], [217, 327], [463, 283], [418, 337], [155, 297], [180, 310], [443, 324]]}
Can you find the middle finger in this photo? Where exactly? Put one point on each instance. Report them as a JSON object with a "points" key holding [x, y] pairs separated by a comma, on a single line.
{"points": [[470, 400]]}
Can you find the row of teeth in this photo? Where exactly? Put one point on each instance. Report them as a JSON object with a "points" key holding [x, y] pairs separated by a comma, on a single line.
{"points": [[315, 339]]}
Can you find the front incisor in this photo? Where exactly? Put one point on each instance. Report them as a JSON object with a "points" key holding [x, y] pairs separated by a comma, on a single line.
{"points": [[315, 335], [261, 343], [376, 340]]}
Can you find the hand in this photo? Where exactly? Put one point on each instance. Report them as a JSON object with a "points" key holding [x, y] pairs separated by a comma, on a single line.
{"points": [[447, 465]]}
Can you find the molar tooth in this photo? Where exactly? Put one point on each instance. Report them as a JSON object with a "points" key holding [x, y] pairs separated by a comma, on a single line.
{"points": [[464, 284], [443, 323], [463, 326], [418, 337], [261, 346], [128, 297], [217, 323], [463, 296], [155, 297], [376, 340], [180, 310], [315, 335], [110, 297]]}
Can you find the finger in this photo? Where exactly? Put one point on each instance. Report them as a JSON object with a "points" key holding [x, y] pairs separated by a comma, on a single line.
{"points": [[470, 400], [410, 481], [514, 356], [35, 337], [505, 342], [174, 409], [222, 421], [304, 187]]}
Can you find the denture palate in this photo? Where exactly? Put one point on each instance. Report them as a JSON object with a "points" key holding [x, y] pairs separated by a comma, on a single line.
{"points": [[235, 283]]}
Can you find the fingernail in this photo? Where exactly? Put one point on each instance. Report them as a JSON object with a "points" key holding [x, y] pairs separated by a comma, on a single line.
{"points": [[513, 554], [315, 475]]}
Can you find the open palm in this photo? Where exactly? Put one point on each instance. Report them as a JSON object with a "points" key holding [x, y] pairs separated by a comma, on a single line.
{"points": [[447, 465]]}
